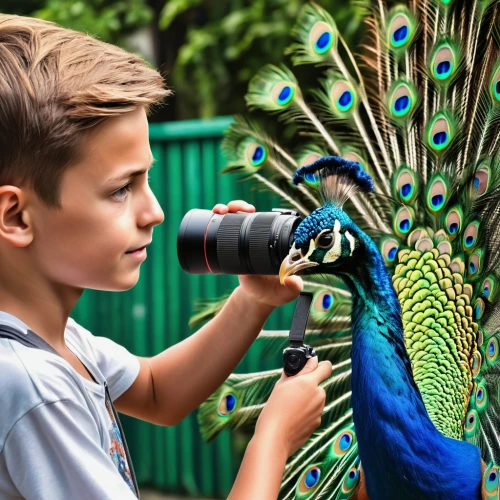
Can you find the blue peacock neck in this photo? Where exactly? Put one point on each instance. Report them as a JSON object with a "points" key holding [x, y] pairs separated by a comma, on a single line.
{"points": [[399, 447]]}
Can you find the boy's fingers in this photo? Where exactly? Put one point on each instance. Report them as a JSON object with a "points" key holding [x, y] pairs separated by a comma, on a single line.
{"points": [[322, 372], [220, 208], [240, 206]]}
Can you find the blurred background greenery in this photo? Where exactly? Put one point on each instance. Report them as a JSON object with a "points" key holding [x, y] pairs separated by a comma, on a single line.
{"points": [[207, 49]]}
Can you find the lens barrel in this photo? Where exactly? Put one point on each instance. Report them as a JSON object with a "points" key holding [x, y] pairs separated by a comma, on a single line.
{"points": [[235, 243]]}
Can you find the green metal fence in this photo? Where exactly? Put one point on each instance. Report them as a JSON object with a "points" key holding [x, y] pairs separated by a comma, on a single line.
{"points": [[154, 314]]}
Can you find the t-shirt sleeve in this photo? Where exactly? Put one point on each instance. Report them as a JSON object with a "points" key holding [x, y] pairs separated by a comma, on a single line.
{"points": [[53, 452], [119, 367]]}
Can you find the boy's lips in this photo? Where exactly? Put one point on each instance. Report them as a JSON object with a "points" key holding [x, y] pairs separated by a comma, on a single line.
{"points": [[139, 248]]}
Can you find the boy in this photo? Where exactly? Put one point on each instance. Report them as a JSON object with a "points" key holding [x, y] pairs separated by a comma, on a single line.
{"points": [[76, 212]]}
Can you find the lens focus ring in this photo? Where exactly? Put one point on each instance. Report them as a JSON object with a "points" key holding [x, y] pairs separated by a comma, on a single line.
{"points": [[228, 248], [259, 244]]}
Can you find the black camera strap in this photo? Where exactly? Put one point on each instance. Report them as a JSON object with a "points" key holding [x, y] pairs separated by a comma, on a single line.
{"points": [[296, 355], [300, 317]]}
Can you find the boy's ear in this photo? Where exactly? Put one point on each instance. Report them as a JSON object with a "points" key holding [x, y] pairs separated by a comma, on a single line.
{"points": [[15, 220]]}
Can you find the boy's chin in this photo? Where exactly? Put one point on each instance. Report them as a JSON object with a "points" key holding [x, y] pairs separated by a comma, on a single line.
{"points": [[122, 284]]}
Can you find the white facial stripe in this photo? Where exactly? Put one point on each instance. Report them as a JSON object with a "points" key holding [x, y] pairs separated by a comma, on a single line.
{"points": [[334, 253], [350, 237]]}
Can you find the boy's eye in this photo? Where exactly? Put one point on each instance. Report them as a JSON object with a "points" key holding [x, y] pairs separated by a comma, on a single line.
{"points": [[121, 194]]}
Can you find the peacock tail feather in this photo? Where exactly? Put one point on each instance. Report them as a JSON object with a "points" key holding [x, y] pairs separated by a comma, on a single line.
{"points": [[418, 109]]}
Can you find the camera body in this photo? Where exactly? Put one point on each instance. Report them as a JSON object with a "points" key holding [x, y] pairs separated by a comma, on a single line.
{"points": [[295, 358]]}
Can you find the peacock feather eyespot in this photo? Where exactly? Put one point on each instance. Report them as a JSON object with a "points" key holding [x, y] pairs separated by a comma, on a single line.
{"points": [[480, 183], [471, 424], [401, 29], [478, 309], [490, 481], [350, 480], [492, 350], [405, 185], [440, 132], [322, 37], [437, 194], [309, 479], [227, 405], [475, 264], [272, 89], [256, 154], [389, 249], [476, 364], [470, 235], [444, 62], [453, 221], [481, 396], [343, 443], [402, 100], [403, 221], [495, 85], [324, 301], [282, 93], [343, 98], [489, 288]]}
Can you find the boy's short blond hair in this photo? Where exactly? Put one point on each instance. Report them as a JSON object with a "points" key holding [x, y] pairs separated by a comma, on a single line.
{"points": [[55, 85]]}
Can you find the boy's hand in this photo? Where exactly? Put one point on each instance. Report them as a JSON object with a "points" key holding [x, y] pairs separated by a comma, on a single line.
{"points": [[264, 289], [293, 411]]}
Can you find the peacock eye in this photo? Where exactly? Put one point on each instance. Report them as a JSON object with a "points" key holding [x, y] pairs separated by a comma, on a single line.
{"points": [[325, 240]]}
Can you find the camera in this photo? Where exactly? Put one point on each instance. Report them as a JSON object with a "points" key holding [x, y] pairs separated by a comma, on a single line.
{"points": [[235, 243], [295, 358]]}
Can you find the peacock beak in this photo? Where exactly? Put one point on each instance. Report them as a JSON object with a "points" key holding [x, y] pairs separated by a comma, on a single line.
{"points": [[294, 262]]}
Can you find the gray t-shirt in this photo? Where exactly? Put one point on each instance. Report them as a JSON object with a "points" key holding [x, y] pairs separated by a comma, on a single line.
{"points": [[58, 437]]}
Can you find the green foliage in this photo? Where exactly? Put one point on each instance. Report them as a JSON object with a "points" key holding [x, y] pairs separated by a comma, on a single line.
{"points": [[109, 20], [229, 40]]}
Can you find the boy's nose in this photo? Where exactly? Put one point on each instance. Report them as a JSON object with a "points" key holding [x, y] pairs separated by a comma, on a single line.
{"points": [[151, 213]]}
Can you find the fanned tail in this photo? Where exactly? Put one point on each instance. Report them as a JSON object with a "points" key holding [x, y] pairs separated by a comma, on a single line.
{"points": [[419, 110]]}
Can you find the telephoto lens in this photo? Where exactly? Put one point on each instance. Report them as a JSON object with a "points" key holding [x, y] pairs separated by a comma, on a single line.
{"points": [[235, 243]]}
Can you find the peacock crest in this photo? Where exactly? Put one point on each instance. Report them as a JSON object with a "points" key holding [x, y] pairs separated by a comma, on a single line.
{"points": [[398, 146]]}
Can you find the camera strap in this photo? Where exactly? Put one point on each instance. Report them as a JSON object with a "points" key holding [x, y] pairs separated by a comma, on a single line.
{"points": [[300, 317]]}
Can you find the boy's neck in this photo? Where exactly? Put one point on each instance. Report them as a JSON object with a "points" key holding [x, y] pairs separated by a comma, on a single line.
{"points": [[44, 307]]}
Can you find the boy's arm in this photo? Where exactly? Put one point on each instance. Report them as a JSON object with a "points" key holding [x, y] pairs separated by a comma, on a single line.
{"points": [[260, 472], [173, 383]]}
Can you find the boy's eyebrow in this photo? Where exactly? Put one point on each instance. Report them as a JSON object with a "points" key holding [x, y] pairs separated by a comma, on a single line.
{"points": [[133, 173]]}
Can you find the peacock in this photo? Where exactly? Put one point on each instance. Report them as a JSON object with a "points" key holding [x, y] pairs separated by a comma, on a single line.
{"points": [[392, 159]]}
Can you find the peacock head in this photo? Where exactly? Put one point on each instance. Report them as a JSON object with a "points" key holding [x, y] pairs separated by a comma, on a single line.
{"points": [[325, 241]]}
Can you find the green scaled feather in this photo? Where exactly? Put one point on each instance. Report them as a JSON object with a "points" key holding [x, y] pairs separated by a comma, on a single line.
{"points": [[316, 34]]}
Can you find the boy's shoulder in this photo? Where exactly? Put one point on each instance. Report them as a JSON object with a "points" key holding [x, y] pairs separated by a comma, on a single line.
{"points": [[30, 377]]}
